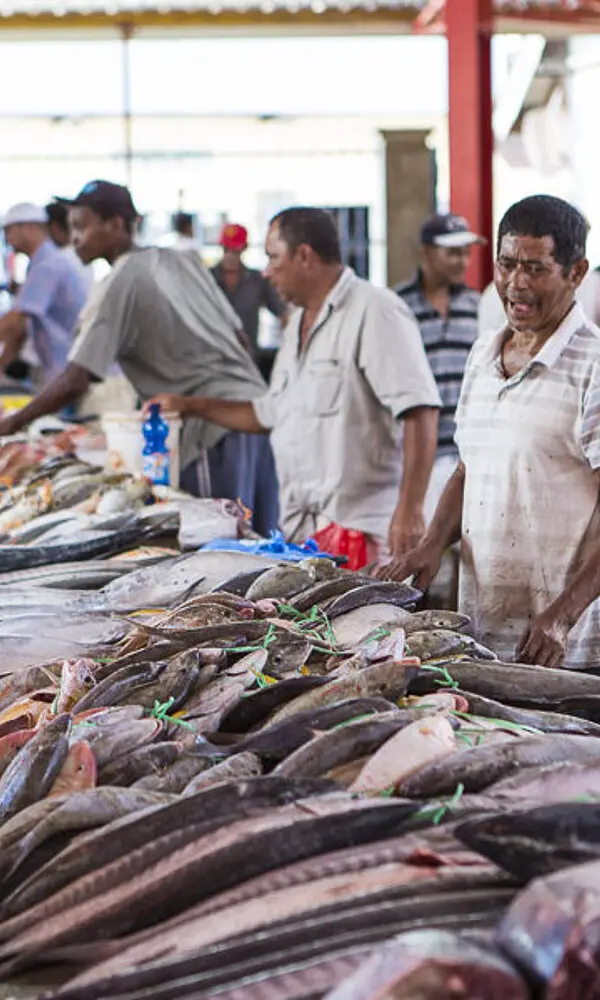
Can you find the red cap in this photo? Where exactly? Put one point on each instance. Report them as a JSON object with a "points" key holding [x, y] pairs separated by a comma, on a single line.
{"points": [[234, 237]]}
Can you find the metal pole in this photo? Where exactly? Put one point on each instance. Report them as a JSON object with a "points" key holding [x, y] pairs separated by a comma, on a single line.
{"points": [[126, 35]]}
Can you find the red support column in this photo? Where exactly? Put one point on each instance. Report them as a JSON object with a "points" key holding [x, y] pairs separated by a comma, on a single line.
{"points": [[469, 26]]}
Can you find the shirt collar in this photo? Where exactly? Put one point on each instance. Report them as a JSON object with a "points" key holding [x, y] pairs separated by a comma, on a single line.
{"points": [[338, 294], [549, 354]]}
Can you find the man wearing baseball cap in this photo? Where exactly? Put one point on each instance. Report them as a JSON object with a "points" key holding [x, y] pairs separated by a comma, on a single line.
{"points": [[44, 313], [247, 289], [446, 311], [160, 315]]}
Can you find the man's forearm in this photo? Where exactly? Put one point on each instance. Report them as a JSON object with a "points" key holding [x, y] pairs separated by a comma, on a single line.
{"points": [[581, 590], [65, 388], [12, 335], [226, 412], [445, 528], [419, 448]]}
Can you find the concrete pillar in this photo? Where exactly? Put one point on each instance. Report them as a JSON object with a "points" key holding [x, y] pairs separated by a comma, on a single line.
{"points": [[410, 198]]}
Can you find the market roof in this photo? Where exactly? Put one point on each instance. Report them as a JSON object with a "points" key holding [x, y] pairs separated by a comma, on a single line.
{"points": [[351, 15]]}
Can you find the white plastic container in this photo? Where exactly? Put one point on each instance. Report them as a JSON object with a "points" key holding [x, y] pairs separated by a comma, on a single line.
{"points": [[124, 442]]}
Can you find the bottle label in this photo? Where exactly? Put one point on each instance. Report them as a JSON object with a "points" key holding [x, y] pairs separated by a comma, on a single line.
{"points": [[156, 468]]}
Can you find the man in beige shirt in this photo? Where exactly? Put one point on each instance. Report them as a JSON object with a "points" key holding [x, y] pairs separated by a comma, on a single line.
{"points": [[352, 406]]}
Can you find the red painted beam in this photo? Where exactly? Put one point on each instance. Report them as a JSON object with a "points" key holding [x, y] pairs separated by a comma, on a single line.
{"points": [[469, 27]]}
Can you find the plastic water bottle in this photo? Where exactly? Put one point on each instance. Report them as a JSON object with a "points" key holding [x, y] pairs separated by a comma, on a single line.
{"points": [[155, 452]]}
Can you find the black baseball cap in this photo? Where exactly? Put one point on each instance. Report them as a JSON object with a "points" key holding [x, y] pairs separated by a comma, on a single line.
{"points": [[448, 231], [105, 198]]}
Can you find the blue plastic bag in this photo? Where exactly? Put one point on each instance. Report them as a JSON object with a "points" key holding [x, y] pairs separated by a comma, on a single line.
{"points": [[273, 546]]}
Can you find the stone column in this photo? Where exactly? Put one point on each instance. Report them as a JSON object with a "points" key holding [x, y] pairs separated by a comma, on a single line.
{"points": [[410, 198]]}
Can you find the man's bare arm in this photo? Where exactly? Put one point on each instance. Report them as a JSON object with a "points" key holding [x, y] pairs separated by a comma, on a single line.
{"points": [[407, 526], [13, 326], [226, 412], [65, 388], [424, 561], [545, 639]]}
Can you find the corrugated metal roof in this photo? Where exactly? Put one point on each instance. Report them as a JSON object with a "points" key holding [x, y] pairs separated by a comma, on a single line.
{"points": [[61, 8]]}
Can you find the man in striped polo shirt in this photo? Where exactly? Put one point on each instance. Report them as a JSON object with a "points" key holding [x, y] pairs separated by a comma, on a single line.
{"points": [[524, 498], [446, 311]]}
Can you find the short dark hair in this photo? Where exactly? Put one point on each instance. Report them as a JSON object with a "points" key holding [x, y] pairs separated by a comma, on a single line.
{"points": [[544, 215], [182, 221], [57, 213], [312, 226]]}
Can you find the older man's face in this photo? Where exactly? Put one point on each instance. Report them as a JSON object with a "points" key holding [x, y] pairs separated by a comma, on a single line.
{"points": [[284, 268], [536, 290]]}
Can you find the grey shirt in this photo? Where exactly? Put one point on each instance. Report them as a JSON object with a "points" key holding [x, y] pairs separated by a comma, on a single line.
{"points": [[332, 408], [252, 292], [162, 317]]}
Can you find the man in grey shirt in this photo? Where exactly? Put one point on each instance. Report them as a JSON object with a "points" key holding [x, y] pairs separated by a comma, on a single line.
{"points": [[160, 315]]}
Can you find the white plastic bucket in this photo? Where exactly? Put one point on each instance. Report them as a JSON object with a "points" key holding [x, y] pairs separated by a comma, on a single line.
{"points": [[125, 441]]}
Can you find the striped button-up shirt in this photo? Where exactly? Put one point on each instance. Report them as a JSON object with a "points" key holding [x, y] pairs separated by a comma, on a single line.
{"points": [[530, 445], [447, 340]]}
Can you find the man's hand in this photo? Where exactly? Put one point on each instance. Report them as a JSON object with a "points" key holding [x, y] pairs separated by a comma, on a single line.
{"points": [[168, 403], [407, 528], [545, 640], [422, 563]]}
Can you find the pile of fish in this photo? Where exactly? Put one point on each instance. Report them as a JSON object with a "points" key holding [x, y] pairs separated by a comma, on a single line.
{"points": [[224, 776]]}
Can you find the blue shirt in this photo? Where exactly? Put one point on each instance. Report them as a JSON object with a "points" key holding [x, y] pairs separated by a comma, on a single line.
{"points": [[52, 296]]}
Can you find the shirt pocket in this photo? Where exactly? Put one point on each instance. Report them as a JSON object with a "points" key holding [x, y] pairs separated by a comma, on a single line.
{"points": [[323, 387]]}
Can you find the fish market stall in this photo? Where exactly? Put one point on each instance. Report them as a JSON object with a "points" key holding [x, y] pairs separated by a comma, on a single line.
{"points": [[225, 776]]}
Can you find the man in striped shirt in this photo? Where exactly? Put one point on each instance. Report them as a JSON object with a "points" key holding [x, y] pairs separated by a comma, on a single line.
{"points": [[524, 496], [446, 311]]}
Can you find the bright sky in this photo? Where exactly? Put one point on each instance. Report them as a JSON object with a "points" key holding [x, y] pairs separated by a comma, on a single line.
{"points": [[385, 75]]}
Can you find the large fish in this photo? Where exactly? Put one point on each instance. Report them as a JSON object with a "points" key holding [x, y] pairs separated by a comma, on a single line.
{"points": [[552, 930], [76, 577], [545, 722], [119, 686], [34, 770], [353, 626], [389, 678], [72, 813], [257, 706], [515, 683], [212, 807], [132, 765], [423, 743], [431, 965], [346, 741], [277, 740], [103, 544], [239, 766], [537, 841], [310, 922], [560, 782], [280, 583], [173, 579], [480, 767], [375, 592], [165, 877], [437, 643]]}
